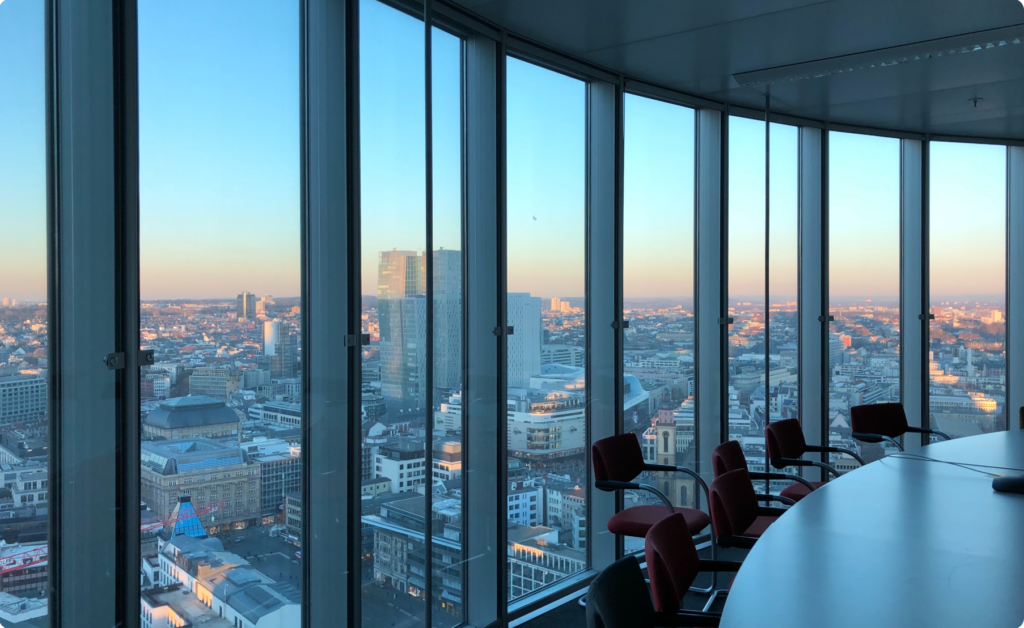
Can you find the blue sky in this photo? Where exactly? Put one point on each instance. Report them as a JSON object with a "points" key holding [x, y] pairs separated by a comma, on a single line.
{"points": [[219, 158], [22, 151]]}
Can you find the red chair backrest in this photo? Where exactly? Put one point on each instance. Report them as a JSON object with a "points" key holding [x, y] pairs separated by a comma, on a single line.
{"points": [[728, 457], [886, 419], [733, 503], [672, 561], [617, 458], [784, 439]]}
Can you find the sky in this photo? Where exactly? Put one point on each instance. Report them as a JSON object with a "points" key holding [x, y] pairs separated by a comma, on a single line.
{"points": [[220, 177], [22, 151], [864, 217]]}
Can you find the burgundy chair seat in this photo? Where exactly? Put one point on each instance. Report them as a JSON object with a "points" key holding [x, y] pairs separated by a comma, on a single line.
{"points": [[638, 520], [797, 491], [759, 526]]}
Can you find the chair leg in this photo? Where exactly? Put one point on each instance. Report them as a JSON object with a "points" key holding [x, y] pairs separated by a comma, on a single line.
{"points": [[713, 589], [714, 595]]}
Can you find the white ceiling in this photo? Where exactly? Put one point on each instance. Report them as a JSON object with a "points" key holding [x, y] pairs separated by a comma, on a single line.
{"points": [[697, 46]]}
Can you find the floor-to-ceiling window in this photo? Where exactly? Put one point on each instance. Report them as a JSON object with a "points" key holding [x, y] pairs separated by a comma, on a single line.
{"points": [[967, 288], [219, 179], [783, 392], [763, 251], [24, 317], [658, 277], [447, 518], [746, 290], [411, 488], [864, 281], [546, 405]]}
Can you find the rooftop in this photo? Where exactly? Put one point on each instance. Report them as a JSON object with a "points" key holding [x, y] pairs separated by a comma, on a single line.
{"points": [[189, 454], [190, 411]]}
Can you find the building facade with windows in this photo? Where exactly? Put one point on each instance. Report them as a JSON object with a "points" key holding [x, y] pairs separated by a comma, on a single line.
{"points": [[223, 484]]}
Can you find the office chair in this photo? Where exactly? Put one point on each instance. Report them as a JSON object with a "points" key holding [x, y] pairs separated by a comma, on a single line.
{"points": [[618, 460], [786, 447], [736, 517], [884, 422], [618, 598], [673, 565], [729, 456]]}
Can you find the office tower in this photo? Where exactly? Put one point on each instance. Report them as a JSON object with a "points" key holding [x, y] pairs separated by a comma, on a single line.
{"points": [[525, 341], [263, 305], [402, 315], [836, 350], [6, 302], [284, 361], [271, 335], [245, 305], [556, 304], [447, 320]]}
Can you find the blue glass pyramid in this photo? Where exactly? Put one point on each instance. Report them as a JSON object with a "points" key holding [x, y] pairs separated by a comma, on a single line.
{"points": [[184, 520]]}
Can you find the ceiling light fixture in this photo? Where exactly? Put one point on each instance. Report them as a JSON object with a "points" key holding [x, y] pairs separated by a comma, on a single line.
{"points": [[991, 39]]}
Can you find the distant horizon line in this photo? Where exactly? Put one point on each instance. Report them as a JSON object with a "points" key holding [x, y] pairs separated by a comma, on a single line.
{"points": [[760, 297]]}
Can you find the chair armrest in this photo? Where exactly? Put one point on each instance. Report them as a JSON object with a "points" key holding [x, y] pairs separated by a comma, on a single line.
{"points": [[719, 565], [757, 475], [615, 485], [924, 430], [742, 542], [837, 450], [761, 497], [875, 438], [685, 619], [765, 511], [671, 469], [782, 463]]}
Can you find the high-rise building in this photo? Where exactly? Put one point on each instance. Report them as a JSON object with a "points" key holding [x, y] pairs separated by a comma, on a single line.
{"points": [[245, 305], [402, 315], [447, 319], [271, 336], [525, 341], [284, 361], [556, 304]]}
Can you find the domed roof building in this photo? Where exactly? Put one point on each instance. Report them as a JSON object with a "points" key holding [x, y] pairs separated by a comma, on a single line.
{"points": [[191, 417]]}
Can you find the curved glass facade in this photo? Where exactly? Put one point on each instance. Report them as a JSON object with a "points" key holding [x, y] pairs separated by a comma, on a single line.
{"points": [[394, 298]]}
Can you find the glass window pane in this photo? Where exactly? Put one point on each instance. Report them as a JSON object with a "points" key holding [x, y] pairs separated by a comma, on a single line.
{"points": [[783, 275], [751, 403], [220, 292], [393, 215], [747, 288], [447, 518], [864, 283], [658, 347], [546, 234], [967, 273], [24, 321]]}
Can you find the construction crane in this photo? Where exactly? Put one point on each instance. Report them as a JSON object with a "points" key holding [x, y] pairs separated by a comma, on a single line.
{"points": [[24, 559], [39, 555]]}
